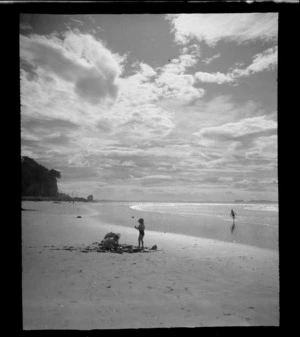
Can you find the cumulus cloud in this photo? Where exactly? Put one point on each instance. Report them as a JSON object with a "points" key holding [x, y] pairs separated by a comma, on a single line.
{"points": [[172, 80], [76, 58], [212, 28], [137, 90], [178, 86], [214, 77], [149, 85], [147, 70]]}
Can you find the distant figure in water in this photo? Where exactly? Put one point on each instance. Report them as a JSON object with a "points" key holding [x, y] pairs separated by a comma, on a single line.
{"points": [[233, 214], [141, 229]]}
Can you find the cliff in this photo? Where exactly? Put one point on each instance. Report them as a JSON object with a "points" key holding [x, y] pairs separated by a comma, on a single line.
{"points": [[37, 180]]}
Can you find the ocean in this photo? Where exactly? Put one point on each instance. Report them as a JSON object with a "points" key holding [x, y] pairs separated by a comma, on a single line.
{"points": [[255, 224]]}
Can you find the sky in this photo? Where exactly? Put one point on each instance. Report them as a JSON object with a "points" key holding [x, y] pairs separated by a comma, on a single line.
{"points": [[160, 107]]}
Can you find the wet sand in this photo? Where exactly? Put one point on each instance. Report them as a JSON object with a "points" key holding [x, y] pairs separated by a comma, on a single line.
{"points": [[188, 282]]}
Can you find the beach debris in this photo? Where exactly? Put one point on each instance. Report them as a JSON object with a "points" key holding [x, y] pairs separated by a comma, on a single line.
{"points": [[107, 248], [110, 244], [79, 216]]}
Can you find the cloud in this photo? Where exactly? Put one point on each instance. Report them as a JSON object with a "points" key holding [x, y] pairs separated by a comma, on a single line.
{"points": [[212, 28], [137, 90], [77, 172], [147, 70], [45, 132], [76, 58], [153, 128], [145, 122], [208, 60], [47, 125], [264, 147], [174, 83], [154, 180], [237, 147], [148, 85], [104, 125], [79, 22], [128, 163], [179, 87], [266, 60], [214, 77], [259, 125], [262, 61], [242, 183], [218, 110], [58, 139]]}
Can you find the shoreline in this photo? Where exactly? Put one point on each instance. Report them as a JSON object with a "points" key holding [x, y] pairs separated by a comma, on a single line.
{"points": [[188, 282], [126, 217]]}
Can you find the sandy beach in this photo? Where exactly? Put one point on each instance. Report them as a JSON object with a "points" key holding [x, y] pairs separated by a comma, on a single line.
{"points": [[188, 282]]}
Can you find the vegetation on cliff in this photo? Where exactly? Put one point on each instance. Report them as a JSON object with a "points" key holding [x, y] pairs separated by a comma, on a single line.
{"points": [[39, 183], [37, 180]]}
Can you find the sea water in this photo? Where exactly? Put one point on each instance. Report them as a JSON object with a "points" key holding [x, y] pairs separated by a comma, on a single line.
{"points": [[255, 224], [260, 214]]}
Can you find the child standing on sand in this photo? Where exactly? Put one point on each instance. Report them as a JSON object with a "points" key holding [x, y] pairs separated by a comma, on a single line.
{"points": [[141, 229]]}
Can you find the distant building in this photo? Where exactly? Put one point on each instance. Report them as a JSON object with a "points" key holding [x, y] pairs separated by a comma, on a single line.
{"points": [[90, 198]]}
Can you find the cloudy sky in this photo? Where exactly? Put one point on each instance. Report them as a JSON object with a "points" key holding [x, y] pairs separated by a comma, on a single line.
{"points": [[152, 107]]}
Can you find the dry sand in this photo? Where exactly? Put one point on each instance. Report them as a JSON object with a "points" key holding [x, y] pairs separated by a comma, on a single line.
{"points": [[188, 282]]}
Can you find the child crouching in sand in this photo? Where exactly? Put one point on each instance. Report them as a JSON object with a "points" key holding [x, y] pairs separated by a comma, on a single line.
{"points": [[141, 229]]}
